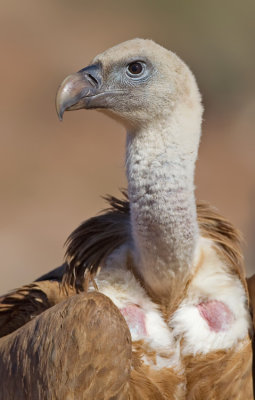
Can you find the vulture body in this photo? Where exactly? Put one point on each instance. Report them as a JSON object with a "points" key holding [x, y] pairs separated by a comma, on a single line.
{"points": [[152, 302]]}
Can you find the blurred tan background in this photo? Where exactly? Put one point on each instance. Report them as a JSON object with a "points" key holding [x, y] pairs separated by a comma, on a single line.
{"points": [[52, 174]]}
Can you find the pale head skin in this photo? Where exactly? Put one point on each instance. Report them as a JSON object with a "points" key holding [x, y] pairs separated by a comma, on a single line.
{"points": [[165, 82]]}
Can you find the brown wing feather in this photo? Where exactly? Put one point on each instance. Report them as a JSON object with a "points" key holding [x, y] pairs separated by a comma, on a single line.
{"points": [[25, 303], [251, 287], [59, 356], [221, 374]]}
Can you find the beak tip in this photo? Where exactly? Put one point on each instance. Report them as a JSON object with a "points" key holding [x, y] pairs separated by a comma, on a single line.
{"points": [[60, 110], [60, 116], [60, 103]]}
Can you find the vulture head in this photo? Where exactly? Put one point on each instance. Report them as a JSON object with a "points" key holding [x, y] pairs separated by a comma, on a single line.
{"points": [[134, 82]]}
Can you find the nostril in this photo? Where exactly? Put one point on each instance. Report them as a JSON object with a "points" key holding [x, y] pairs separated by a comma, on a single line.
{"points": [[93, 79], [92, 74]]}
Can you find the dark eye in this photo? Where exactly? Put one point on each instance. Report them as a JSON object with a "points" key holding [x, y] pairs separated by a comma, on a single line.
{"points": [[135, 68]]}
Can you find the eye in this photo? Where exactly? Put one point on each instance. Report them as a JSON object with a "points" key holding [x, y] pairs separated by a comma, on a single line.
{"points": [[135, 68]]}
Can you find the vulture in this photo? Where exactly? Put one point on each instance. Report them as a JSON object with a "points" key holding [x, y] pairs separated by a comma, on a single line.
{"points": [[152, 300]]}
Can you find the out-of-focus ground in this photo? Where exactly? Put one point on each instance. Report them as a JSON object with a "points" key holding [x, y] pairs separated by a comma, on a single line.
{"points": [[52, 174]]}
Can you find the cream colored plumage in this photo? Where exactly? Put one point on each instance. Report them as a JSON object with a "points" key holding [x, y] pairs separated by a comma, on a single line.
{"points": [[171, 277]]}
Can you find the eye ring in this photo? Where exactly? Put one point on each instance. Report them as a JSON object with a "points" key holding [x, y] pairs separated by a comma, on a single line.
{"points": [[135, 69]]}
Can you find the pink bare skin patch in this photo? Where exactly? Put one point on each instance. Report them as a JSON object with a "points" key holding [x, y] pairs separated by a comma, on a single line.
{"points": [[217, 315], [135, 319]]}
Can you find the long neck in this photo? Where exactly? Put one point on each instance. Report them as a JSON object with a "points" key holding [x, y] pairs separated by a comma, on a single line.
{"points": [[160, 172]]}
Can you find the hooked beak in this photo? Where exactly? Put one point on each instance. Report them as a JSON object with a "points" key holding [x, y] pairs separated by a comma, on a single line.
{"points": [[78, 90]]}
